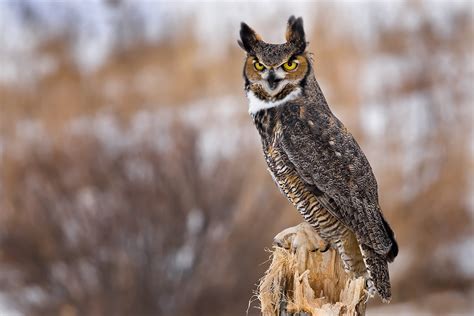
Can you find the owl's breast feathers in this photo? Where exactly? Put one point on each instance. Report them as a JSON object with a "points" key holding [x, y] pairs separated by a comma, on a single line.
{"points": [[330, 162]]}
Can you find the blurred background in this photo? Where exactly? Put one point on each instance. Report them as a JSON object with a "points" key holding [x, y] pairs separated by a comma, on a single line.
{"points": [[132, 180]]}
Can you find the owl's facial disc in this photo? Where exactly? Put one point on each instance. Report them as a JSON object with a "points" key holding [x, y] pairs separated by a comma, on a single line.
{"points": [[270, 80]]}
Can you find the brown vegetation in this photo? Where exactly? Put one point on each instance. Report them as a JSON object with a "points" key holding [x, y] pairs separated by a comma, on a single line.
{"points": [[149, 226]]}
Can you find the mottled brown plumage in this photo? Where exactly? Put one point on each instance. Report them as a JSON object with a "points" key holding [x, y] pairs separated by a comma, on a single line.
{"points": [[314, 160]]}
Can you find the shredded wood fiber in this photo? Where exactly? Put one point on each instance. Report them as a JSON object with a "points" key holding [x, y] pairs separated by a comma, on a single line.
{"points": [[302, 279]]}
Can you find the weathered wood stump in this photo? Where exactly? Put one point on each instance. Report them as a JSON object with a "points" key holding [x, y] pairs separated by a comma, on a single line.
{"points": [[306, 279]]}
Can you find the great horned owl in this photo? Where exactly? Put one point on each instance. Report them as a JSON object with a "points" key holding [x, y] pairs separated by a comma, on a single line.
{"points": [[312, 157]]}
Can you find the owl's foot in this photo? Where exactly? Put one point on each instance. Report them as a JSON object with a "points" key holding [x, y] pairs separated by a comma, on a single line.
{"points": [[301, 237]]}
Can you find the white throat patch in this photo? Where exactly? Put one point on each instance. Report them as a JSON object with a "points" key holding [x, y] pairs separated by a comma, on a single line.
{"points": [[256, 104]]}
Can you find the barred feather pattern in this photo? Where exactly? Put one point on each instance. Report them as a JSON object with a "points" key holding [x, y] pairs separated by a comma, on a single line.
{"points": [[306, 202]]}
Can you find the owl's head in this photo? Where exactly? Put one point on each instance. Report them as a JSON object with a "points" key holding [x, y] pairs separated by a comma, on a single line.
{"points": [[273, 71]]}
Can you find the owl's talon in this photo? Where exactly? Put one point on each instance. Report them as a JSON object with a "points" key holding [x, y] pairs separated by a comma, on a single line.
{"points": [[325, 248], [277, 243], [281, 243]]}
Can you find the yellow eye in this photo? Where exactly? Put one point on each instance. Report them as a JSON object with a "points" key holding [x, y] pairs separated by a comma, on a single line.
{"points": [[258, 66], [290, 65]]}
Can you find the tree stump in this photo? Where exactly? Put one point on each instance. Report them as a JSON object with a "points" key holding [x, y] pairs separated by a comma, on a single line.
{"points": [[306, 279]]}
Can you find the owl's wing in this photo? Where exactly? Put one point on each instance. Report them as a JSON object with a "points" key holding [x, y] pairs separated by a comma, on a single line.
{"points": [[334, 167]]}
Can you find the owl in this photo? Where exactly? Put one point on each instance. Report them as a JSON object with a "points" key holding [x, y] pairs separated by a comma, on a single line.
{"points": [[313, 159]]}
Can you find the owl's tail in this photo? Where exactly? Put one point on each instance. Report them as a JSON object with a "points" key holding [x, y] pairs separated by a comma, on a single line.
{"points": [[377, 268]]}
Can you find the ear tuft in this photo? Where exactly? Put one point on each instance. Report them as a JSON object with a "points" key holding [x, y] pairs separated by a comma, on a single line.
{"points": [[291, 20], [295, 33], [249, 38]]}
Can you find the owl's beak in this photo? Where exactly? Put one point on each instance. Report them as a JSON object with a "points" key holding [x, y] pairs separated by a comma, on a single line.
{"points": [[272, 79]]}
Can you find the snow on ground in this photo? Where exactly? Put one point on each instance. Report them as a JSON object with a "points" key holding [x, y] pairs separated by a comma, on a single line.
{"points": [[217, 119]]}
